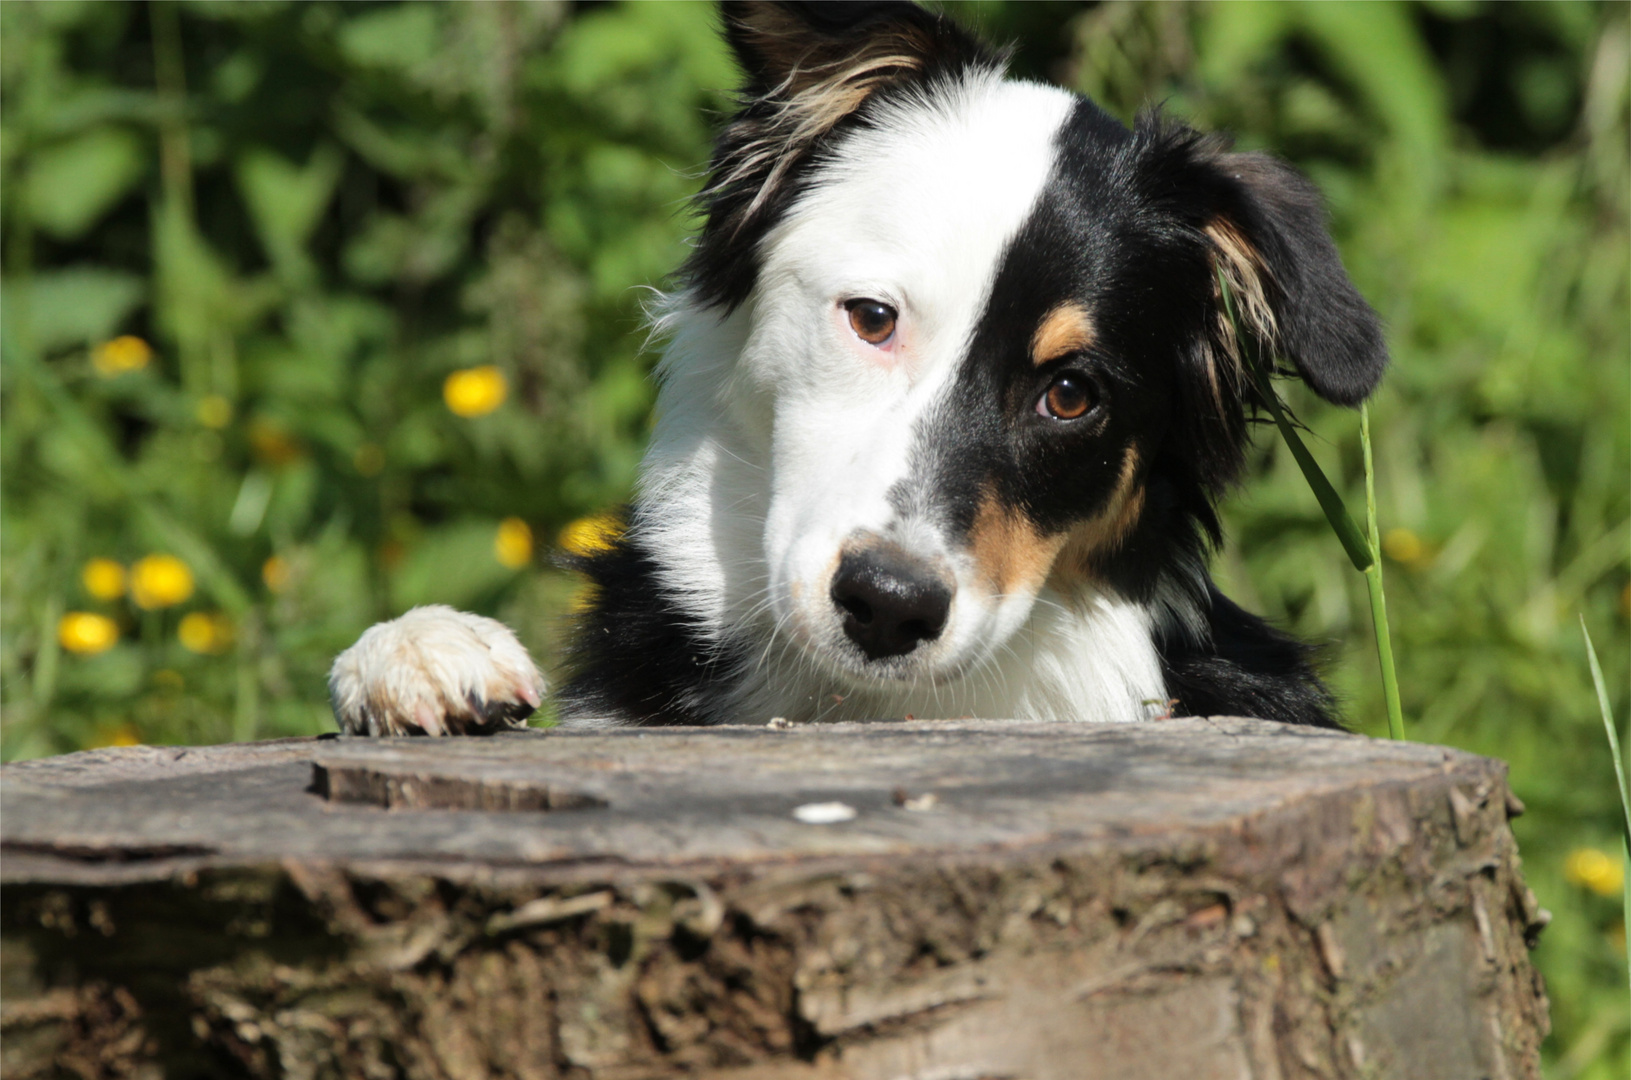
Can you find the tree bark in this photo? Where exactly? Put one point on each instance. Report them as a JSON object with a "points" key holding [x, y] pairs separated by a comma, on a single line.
{"points": [[1186, 898]]}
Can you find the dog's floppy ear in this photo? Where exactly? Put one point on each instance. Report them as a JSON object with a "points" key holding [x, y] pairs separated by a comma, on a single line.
{"points": [[836, 48], [1269, 237], [809, 67], [1264, 227]]}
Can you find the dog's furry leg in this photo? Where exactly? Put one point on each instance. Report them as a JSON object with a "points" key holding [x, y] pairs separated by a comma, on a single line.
{"points": [[434, 671]]}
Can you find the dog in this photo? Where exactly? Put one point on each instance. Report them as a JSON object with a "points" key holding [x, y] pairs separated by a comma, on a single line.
{"points": [[948, 400]]}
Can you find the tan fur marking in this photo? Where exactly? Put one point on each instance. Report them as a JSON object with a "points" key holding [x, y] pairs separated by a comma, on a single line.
{"points": [[1243, 267], [1085, 543], [825, 82], [1067, 328], [810, 61], [1009, 550]]}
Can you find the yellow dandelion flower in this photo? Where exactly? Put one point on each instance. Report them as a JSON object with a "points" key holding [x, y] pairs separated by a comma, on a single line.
{"points": [[475, 391], [591, 534], [275, 571], [103, 579], [1596, 870], [120, 355], [204, 632], [512, 545], [86, 633], [1406, 548], [114, 735], [369, 460], [160, 581], [214, 411]]}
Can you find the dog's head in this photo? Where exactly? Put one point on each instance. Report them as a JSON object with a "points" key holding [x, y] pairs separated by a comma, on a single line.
{"points": [[980, 335]]}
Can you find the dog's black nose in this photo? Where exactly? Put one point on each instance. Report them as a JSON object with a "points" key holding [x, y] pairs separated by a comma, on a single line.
{"points": [[889, 601]]}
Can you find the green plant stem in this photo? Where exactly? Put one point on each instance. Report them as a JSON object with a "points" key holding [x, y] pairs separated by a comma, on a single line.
{"points": [[1373, 582], [170, 74], [1624, 790], [1364, 551], [246, 703], [1360, 553], [50, 654], [1608, 726]]}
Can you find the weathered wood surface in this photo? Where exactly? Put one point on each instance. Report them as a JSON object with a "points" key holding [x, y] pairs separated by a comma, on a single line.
{"points": [[1197, 898]]}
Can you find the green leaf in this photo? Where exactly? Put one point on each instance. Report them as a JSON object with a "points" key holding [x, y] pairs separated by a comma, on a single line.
{"points": [[401, 38], [65, 308], [1384, 57], [287, 201], [72, 184], [1237, 35]]}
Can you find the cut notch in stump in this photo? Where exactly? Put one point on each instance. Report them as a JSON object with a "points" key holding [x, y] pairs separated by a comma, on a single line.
{"points": [[428, 790]]}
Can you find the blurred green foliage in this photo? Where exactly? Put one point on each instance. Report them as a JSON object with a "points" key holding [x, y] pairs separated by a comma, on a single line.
{"points": [[314, 213]]}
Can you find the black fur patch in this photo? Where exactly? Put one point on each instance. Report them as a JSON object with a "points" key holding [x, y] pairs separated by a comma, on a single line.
{"points": [[636, 657], [1096, 239], [1319, 320], [1248, 668], [1120, 232]]}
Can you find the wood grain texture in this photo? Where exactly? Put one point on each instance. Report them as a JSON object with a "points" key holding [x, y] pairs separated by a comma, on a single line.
{"points": [[1204, 898]]}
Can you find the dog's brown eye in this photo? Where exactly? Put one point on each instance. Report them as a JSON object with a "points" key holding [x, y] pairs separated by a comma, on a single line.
{"points": [[1069, 397], [872, 320]]}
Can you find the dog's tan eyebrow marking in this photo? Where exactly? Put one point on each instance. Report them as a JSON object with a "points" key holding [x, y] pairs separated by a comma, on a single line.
{"points": [[1066, 329]]}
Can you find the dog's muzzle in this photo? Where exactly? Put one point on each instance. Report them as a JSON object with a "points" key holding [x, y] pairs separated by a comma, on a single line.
{"points": [[889, 601]]}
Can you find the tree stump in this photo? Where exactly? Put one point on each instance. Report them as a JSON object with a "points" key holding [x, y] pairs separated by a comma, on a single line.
{"points": [[955, 900]]}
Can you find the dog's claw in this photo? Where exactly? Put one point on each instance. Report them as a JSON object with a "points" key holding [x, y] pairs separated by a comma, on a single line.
{"points": [[434, 671]]}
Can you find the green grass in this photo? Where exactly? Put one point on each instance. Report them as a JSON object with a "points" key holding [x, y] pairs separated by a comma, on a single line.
{"points": [[1364, 551], [315, 213], [1624, 790]]}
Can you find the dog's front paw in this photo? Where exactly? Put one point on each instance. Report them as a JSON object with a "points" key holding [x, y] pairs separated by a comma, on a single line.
{"points": [[434, 671]]}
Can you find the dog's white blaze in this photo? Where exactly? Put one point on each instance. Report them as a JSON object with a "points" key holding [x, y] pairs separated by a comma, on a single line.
{"points": [[915, 210], [780, 434]]}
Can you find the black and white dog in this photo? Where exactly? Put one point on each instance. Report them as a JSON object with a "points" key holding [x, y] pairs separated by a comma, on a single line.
{"points": [[947, 404]]}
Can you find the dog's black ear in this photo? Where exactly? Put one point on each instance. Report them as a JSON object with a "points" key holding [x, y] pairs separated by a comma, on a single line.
{"points": [[838, 47], [1264, 227], [809, 67], [1269, 237]]}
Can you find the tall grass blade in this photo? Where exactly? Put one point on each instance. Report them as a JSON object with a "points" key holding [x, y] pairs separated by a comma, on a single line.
{"points": [[1336, 512], [1608, 726], [1378, 598], [1619, 775], [1363, 551]]}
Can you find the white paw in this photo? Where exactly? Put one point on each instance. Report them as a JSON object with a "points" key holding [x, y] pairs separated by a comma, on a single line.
{"points": [[434, 671]]}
